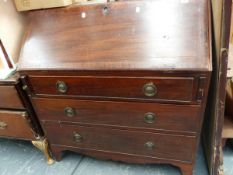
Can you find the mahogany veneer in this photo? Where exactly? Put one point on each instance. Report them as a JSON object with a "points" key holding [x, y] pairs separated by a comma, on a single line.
{"points": [[124, 81], [16, 125], [131, 114], [14, 119], [123, 141], [169, 88], [10, 98]]}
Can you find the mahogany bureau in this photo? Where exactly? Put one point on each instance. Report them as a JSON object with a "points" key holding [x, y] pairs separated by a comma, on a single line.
{"points": [[125, 81]]}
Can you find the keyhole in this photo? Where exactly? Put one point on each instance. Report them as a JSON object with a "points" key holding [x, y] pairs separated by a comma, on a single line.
{"points": [[105, 10]]}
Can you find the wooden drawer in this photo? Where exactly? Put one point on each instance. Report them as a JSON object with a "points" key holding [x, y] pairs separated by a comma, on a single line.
{"points": [[148, 144], [14, 124], [155, 89], [9, 98], [179, 118]]}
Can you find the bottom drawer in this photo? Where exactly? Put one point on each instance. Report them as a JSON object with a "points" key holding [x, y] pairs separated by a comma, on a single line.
{"points": [[163, 146], [14, 124]]}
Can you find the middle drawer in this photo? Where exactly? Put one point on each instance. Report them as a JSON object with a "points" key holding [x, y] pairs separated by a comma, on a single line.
{"points": [[180, 118]]}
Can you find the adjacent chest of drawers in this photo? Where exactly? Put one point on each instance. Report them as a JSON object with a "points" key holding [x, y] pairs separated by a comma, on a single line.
{"points": [[14, 122], [126, 81], [17, 117]]}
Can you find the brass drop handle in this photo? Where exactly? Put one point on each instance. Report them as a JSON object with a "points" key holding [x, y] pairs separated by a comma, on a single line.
{"points": [[70, 112], [61, 86], [3, 125], [149, 145], [77, 137], [149, 89], [149, 117]]}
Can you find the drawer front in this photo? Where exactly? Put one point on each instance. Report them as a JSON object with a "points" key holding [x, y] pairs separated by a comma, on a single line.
{"points": [[157, 89], [14, 124], [9, 98], [121, 141], [181, 118]]}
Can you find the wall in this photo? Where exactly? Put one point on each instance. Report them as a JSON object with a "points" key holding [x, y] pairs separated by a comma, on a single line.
{"points": [[230, 59], [12, 26]]}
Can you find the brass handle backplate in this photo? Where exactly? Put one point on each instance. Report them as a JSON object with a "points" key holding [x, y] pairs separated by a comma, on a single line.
{"points": [[70, 112], [150, 145], [77, 137], [149, 117], [149, 89], [61, 86], [3, 125]]}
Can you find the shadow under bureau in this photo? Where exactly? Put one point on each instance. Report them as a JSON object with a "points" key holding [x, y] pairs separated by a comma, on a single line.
{"points": [[126, 81]]}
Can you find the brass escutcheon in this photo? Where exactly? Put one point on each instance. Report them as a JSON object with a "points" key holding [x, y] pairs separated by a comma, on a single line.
{"points": [[150, 145], [3, 125], [77, 137], [149, 117], [106, 10], [150, 89], [70, 112], [61, 86]]}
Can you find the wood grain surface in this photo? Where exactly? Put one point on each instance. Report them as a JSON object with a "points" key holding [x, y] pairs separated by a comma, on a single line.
{"points": [[9, 98], [120, 141], [175, 118], [181, 89], [17, 125], [131, 35]]}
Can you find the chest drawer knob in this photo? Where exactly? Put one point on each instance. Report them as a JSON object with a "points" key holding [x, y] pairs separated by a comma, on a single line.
{"points": [[150, 145], [61, 86], [3, 125], [70, 112], [149, 117], [77, 137], [150, 89]]}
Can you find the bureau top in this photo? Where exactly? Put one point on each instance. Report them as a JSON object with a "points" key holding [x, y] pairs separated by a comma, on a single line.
{"points": [[130, 35]]}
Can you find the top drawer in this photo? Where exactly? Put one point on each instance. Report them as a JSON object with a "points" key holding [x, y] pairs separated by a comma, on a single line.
{"points": [[9, 98], [151, 89]]}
